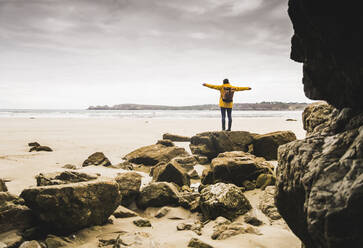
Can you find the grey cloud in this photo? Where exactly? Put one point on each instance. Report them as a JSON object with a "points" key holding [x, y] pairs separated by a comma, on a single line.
{"points": [[113, 19], [98, 42]]}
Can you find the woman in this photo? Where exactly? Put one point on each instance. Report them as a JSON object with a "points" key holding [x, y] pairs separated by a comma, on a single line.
{"points": [[226, 100]]}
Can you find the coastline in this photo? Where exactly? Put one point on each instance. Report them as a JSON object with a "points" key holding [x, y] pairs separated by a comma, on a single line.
{"points": [[73, 140]]}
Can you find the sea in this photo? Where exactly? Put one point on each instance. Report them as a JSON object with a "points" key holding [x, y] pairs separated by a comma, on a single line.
{"points": [[130, 114]]}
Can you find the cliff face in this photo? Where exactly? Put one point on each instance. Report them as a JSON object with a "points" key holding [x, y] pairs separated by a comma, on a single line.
{"points": [[320, 179], [319, 185], [328, 38]]}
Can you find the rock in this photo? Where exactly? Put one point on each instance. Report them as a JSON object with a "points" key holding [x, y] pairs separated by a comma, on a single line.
{"points": [[162, 212], [170, 172], [207, 176], [225, 231], [122, 212], [30, 244], [154, 154], [253, 220], [317, 116], [195, 227], [97, 159], [13, 213], [193, 174], [265, 145], [142, 223], [123, 239], [124, 165], [111, 220], [70, 167], [190, 200], [264, 180], [3, 245], [202, 159], [176, 138], [248, 185], [158, 194], [115, 241], [53, 241], [225, 200], [210, 144], [323, 175], [33, 149], [267, 204], [186, 162], [221, 221], [129, 185], [41, 148], [32, 144], [3, 187], [235, 167], [11, 239], [34, 233], [65, 177], [165, 142], [184, 226], [196, 243], [67, 208], [328, 40]]}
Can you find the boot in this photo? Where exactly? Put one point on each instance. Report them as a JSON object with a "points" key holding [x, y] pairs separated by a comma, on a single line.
{"points": [[223, 125]]}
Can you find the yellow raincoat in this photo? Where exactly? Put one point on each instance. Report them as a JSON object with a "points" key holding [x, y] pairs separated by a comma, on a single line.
{"points": [[223, 104]]}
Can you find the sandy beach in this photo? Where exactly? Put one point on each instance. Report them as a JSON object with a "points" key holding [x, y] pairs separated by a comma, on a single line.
{"points": [[73, 140]]}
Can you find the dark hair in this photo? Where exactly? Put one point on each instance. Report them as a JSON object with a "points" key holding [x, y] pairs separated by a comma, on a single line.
{"points": [[226, 81]]}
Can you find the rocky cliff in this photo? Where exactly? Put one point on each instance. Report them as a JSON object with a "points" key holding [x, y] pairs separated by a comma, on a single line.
{"points": [[320, 179], [319, 189], [328, 38]]}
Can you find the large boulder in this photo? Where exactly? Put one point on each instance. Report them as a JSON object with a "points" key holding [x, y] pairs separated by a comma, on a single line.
{"points": [[56, 178], [67, 208], [129, 185], [210, 144], [97, 159], [320, 181], [170, 172], [235, 167], [13, 213], [328, 38], [266, 145], [225, 200], [158, 194], [154, 154]]}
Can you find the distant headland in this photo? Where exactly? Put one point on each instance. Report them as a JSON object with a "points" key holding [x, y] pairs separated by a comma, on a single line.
{"points": [[237, 106]]}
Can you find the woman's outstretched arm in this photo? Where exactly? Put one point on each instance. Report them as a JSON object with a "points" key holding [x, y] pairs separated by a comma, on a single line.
{"points": [[216, 87], [241, 88]]}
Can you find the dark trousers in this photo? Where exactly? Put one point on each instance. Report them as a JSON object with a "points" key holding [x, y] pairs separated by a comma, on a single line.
{"points": [[229, 114]]}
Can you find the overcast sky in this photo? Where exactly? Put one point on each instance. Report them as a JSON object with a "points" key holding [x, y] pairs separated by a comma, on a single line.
{"points": [[76, 53]]}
